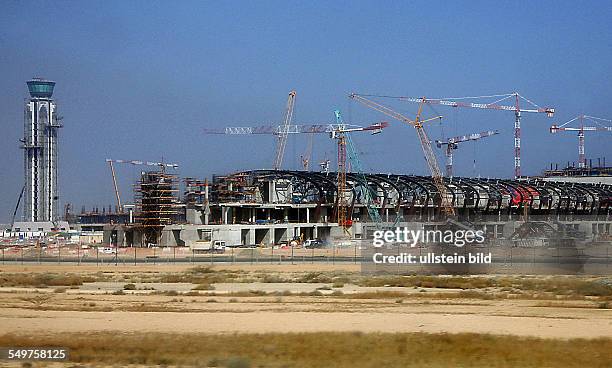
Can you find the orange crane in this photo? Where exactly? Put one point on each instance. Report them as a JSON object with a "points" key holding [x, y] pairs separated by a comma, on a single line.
{"points": [[283, 133], [452, 144], [341, 134], [581, 129], [494, 105], [430, 157]]}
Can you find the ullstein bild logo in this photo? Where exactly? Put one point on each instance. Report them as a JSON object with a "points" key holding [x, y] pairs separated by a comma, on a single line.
{"points": [[414, 238]]}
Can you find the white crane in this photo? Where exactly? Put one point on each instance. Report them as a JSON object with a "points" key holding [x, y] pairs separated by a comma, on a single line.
{"points": [[581, 129], [494, 105], [162, 165], [452, 144], [282, 136]]}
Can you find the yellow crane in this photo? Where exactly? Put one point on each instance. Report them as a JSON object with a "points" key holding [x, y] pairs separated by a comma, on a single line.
{"points": [[430, 157]]}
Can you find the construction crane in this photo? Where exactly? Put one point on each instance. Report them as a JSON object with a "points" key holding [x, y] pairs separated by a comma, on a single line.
{"points": [[581, 129], [452, 144], [310, 129], [305, 158], [346, 145], [17, 206], [161, 165], [494, 105], [430, 157], [276, 129], [282, 136]]}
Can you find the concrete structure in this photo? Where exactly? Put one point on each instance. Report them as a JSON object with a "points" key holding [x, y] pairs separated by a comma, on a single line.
{"points": [[38, 229], [270, 206], [41, 124]]}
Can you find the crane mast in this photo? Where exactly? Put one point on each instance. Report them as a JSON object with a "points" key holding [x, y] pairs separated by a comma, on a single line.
{"points": [[581, 129], [282, 136], [357, 168], [117, 196], [306, 157], [452, 144], [428, 152], [341, 134]]}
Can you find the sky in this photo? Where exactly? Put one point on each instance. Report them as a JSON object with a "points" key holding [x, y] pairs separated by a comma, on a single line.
{"points": [[141, 80]]}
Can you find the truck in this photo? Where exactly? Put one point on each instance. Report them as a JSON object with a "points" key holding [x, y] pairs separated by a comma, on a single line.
{"points": [[208, 246]]}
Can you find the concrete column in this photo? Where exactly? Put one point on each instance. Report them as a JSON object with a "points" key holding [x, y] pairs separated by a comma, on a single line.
{"points": [[252, 236], [224, 215], [308, 215], [272, 192], [206, 208]]}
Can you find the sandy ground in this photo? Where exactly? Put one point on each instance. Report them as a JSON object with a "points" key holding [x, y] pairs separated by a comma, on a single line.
{"points": [[92, 308], [203, 314], [227, 322]]}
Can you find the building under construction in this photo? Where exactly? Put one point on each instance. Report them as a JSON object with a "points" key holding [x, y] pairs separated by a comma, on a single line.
{"points": [[266, 207], [156, 204]]}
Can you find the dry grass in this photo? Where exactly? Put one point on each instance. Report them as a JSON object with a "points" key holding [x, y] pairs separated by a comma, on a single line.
{"points": [[340, 350], [479, 287], [558, 285], [44, 279]]}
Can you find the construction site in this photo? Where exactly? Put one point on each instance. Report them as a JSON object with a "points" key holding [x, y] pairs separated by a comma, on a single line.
{"points": [[339, 202], [273, 184]]}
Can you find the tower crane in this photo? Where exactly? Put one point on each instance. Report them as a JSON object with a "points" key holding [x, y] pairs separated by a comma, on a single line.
{"points": [[494, 105], [311, 129], [282, 136], [338, 131], [276, 129], [452, 144], [581, 129], [346, 145], [161, 165], [430, 157]]}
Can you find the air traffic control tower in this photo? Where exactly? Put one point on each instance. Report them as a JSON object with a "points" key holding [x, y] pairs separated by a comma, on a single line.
{"points": [[39, 144]]}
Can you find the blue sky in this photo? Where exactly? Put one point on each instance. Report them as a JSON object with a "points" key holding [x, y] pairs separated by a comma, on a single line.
{"points": [[141, 79]]}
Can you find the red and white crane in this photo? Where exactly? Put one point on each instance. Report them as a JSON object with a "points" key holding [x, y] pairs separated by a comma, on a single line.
{"points": [[581, 129], [494, 105], [452, 144]]}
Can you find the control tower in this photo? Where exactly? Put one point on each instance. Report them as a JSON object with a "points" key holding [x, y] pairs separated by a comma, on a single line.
{"points": [[39, 145]]}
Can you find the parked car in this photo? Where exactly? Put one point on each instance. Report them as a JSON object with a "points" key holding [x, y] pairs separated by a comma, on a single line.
{"points": [[313, 244]]}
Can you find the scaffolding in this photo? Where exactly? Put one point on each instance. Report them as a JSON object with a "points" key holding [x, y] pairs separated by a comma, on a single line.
{"points": [[157, 204]]}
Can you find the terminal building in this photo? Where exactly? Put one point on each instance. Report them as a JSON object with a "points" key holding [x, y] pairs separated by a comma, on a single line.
{"points": [[271, 206]]}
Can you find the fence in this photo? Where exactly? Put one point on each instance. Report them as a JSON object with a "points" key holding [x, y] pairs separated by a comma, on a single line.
{"points": [[170, 255], [595, 259]]}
